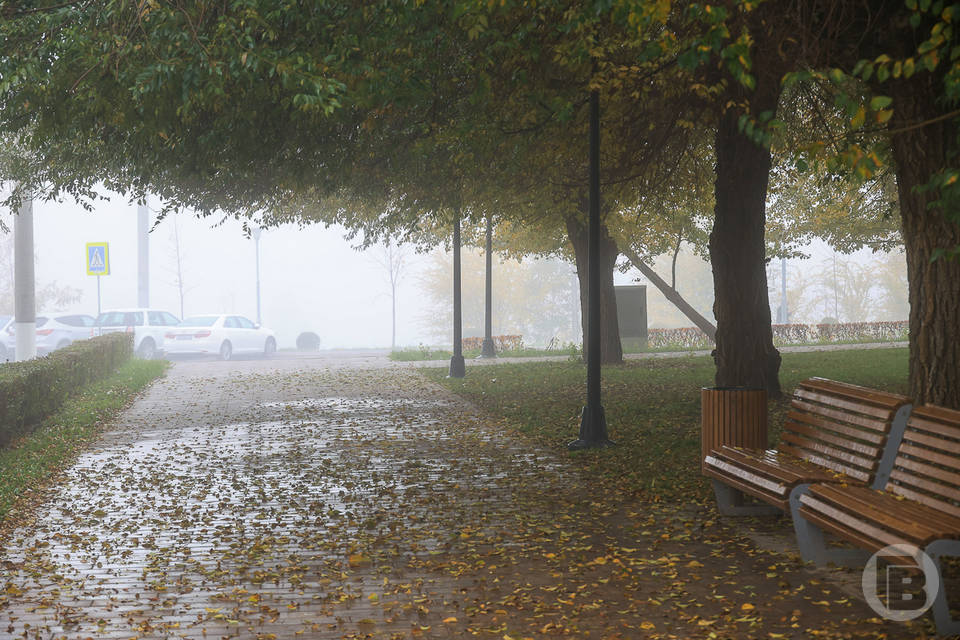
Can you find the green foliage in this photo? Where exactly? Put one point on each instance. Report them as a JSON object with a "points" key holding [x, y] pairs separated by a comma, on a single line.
{"points": [[25, 467], [34, 389]]}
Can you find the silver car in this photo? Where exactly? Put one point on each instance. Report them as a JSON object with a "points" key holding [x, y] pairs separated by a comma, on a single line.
{"points": [[54, 331], [57, 330], [6, 339]]}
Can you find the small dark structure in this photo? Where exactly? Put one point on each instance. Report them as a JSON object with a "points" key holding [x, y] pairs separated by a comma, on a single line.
{"points": [[308, 341], [632, 315]]}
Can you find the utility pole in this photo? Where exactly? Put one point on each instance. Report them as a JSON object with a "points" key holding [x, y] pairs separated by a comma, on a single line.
{"points": [[256, 240], [593, 421], [143, 255], [24, 288], [458, 368], [489, 350]]}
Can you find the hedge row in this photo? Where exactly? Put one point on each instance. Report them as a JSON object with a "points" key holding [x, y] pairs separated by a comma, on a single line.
{"points": [[502, 343], [693, 338], [32, 390]]}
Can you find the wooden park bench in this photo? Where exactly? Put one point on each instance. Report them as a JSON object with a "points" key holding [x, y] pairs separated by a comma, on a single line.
{"points": [[918, 506], [834, 432]]}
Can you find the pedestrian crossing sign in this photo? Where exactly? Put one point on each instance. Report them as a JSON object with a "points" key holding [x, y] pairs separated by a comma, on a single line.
{"points": [[98, 259]]}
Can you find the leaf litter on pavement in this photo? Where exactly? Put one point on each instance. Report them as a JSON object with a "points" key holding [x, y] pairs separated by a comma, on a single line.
{"points": [[371, 503]]}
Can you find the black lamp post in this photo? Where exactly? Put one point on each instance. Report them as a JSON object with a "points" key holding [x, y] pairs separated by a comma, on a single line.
{"points": [[489, 350], [458, 368], [593, 422]]}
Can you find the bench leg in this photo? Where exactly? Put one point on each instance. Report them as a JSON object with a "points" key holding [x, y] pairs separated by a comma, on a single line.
{"points": [[813, 543], [730, 502], [946, 624], [897, 429]]}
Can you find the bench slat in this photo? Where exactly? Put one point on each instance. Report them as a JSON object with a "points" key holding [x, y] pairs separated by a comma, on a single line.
{"points": [[865, 394], [927, 455], [844, 523], [757, 465], [739, 472], [878, 412], [843, 458], [899, 516], [944, 507], [932, 411], [827, 463], [925, 470], [872, 430], [826, 434]]}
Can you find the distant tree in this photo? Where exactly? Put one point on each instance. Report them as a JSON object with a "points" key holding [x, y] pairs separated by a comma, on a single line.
{"points": [[532, 298], [49, 297], [393, 259], [178, 263]]}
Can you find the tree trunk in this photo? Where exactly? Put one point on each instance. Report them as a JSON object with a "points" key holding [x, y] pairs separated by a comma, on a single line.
{"points": [[934, 285], [611, 351], [671, 294], [745, 355]]}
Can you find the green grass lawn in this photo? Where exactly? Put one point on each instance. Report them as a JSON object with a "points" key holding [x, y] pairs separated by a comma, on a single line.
{"points": [[652, 408], [33, 459]]}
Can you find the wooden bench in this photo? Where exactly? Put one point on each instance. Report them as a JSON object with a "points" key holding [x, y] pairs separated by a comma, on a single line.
{"points": [[919, 505], [834, 432]]}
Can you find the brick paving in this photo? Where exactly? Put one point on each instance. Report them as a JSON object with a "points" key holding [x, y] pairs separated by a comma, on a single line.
{"points": [[323, 498], [249, 499]]}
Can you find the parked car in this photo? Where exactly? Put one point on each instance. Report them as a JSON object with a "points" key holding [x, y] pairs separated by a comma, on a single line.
{"points": [[147, 325], [220, 334], [7, 344], [55, 330]]}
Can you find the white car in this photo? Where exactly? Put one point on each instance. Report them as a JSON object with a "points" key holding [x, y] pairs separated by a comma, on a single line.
{"points": [[220, 334], [7, 338], [55, 330], [148, 327]]}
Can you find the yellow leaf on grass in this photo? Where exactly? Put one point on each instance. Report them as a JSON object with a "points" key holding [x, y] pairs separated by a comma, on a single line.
{"points": [[449, 620], [747, 607], [646, 625]]}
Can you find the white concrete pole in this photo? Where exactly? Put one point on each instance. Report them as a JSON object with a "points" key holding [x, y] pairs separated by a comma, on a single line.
{"points": [[143, 255], [24, 289]]}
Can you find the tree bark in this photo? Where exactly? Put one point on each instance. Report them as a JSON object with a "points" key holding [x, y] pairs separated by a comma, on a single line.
{"points": [[671, 294], [919, 152], [611, 351], [745, 355]]}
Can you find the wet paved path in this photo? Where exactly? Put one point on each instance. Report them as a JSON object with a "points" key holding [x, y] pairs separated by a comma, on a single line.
{"points": [[249, 499], [321, 498]]}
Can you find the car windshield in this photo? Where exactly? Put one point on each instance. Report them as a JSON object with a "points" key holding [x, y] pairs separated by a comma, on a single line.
{"points": [[199, 321], [4, 320], [41, 321]]}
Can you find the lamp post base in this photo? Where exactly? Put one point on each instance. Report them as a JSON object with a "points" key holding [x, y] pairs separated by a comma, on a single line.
{"points": [[488, 350], [593, 431], [458, 368]]}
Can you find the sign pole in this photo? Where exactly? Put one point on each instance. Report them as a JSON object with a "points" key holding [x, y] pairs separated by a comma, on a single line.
{"points": [[98, 295]]}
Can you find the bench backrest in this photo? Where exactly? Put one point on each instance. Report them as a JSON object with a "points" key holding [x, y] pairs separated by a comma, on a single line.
{"points": [[927, 466], [844, 427]]}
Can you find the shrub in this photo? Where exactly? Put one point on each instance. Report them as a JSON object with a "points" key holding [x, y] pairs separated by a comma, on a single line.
{"points": [[308, 341], [501, 343], [783, 334], [34, 389]]}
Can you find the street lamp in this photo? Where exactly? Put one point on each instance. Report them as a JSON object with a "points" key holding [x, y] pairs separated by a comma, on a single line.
{"points": [[255, 232]]}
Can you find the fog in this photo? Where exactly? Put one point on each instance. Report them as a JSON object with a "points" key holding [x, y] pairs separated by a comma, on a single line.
{"points": [[311, 278]]}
